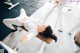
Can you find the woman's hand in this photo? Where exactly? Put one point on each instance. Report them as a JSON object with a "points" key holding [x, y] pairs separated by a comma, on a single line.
{"points": [[58, 1]]}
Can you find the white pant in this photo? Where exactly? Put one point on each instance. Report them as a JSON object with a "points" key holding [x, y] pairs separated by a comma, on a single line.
{"points": [[60, 7], [15, 21]]}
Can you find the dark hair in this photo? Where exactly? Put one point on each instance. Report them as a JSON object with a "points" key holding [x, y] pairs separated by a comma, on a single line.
{"points": [[48, 33]]}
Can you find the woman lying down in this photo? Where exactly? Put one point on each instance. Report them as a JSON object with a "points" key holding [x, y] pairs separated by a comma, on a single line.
{"points": [[31, 25]]}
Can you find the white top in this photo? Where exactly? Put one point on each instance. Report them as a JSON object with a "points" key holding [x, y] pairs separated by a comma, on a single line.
{"points": [[29, 23], [31, 26]]}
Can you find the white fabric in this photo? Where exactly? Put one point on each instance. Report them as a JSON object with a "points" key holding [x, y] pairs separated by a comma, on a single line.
{"points": [[30, 24], [64, 2]]}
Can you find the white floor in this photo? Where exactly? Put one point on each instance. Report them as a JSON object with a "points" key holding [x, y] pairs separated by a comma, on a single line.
{"points": [[65, 43]]}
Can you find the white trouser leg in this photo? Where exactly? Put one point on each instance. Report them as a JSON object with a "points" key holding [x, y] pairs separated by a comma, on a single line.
{"points": [[9, 22], [60, 16], [42, 47], [15, 21]]}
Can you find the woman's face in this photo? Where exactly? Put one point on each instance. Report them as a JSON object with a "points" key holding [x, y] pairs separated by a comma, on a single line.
{"points": [[41, 28]]}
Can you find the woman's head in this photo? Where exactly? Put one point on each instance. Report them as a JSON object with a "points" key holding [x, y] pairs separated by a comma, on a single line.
{"points": [[41, 28], [48, 32]]}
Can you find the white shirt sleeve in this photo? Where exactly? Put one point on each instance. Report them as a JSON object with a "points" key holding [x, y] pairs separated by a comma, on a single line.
{"points": [[31, 35]]}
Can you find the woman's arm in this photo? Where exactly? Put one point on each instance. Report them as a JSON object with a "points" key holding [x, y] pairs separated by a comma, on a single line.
{"points": [[28, 36], [16, 21], [32, 32], [58, 3]]}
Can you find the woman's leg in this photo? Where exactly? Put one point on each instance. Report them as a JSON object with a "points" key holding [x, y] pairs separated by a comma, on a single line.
{"points": [[60, 7], [9, 22], [22, 16], [17, 20], [42, 47]]}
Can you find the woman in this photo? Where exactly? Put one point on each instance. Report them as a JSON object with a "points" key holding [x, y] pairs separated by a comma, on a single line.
{"points": [[31, 25]]}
